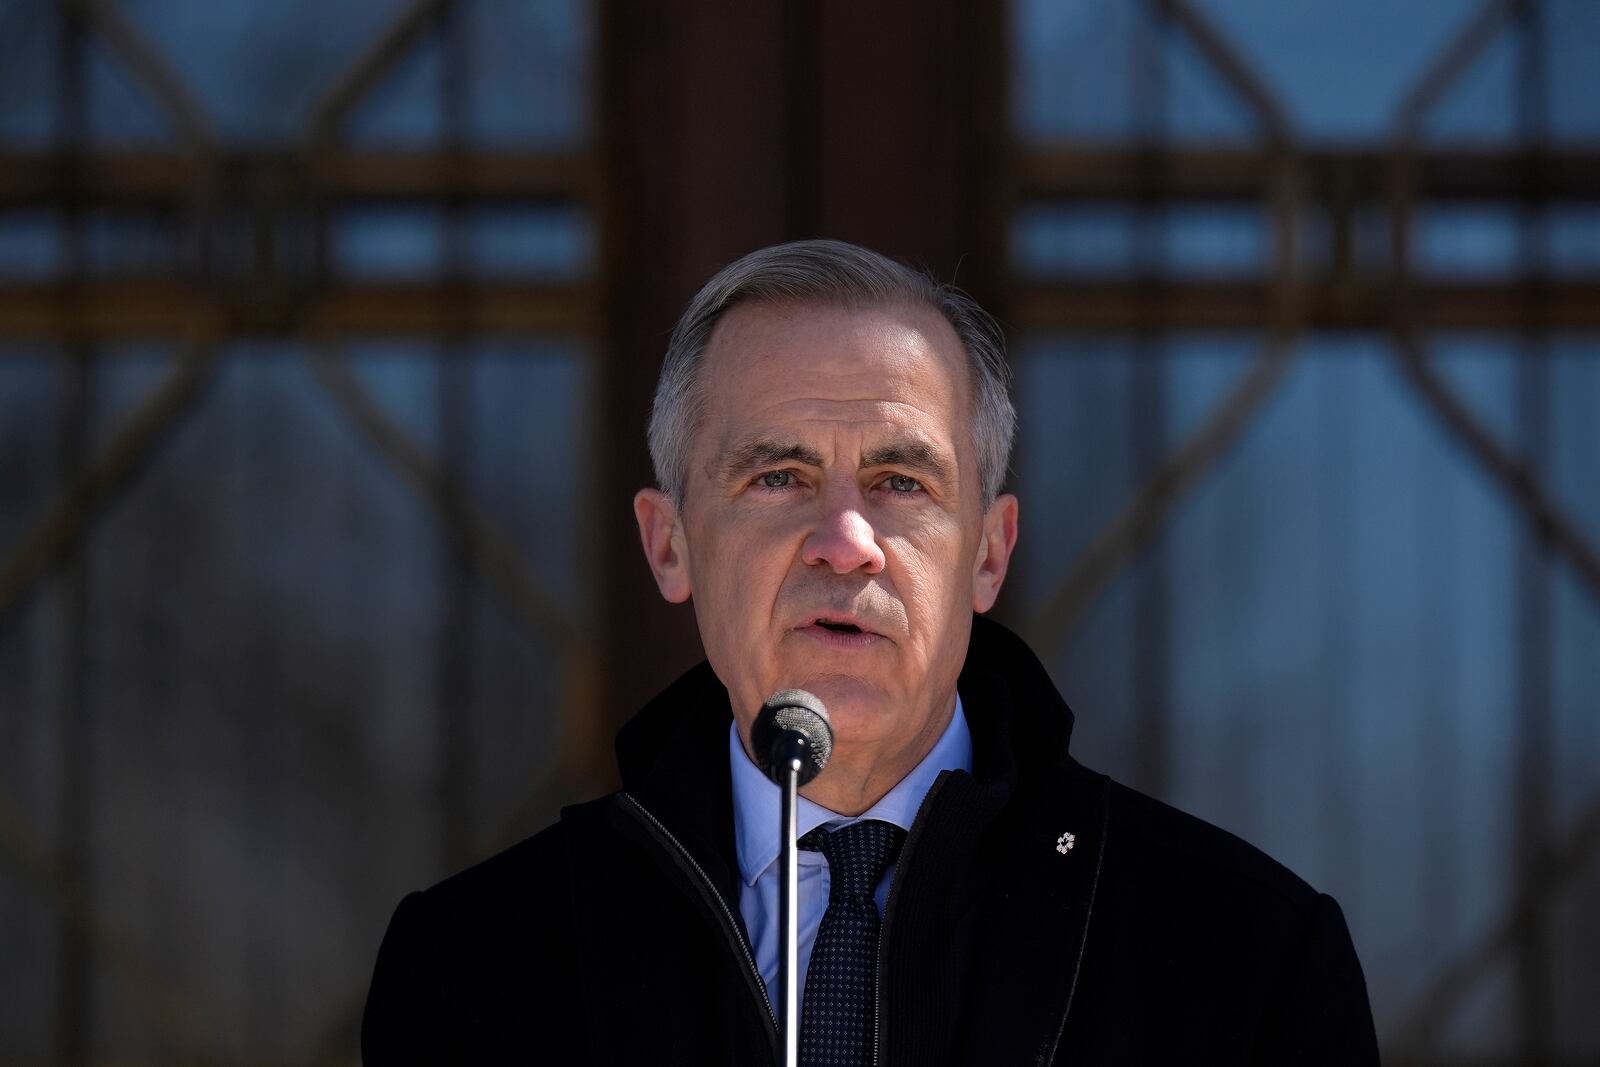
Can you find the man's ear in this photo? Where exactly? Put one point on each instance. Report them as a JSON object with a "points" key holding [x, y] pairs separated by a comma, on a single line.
{"points": [[994, 552], [661, 534]]}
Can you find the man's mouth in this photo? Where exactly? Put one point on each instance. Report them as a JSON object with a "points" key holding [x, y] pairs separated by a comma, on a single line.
{"points": [[840, 633]]}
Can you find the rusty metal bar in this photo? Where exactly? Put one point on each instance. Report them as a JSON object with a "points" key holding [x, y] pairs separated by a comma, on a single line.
{"points": [[153, 179], [1446, 173], [159, 307], [480, 540], [68, 519], [1077, 304]]}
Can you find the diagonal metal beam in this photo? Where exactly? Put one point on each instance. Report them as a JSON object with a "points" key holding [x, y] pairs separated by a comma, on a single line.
{"points": [[63, 527], [1559, 865], [1126, 536], [1453, 61], [165, 1006], [482, 543], [1231, 65], [362, 76], [1553, 526], [1551, 523], [148, 65]]}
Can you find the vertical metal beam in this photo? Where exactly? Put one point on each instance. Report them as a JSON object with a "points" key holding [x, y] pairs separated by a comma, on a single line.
{"points": [[1339, 796], [1535, 1008], [455, 704], [1151, 690], [1438, 816], [74, 977]]}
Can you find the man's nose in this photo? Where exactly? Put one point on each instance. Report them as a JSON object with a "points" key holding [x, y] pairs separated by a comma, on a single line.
{"points": [[844, 540]]}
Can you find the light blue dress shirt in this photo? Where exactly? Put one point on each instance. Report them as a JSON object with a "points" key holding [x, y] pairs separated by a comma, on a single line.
{"points": [[756, 808]]}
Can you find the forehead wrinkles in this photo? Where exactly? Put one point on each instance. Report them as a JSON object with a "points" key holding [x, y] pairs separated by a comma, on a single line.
{"points": [[870, 370], [826, 413], [829, 426]]}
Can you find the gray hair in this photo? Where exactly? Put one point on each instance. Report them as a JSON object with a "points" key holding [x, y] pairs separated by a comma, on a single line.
{"points": [[838, 273]]}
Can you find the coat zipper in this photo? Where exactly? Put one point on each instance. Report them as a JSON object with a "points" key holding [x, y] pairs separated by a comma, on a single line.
{"points": [[727, 912]]}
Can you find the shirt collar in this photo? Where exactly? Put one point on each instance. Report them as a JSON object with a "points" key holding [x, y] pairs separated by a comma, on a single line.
{"points": [[757, 799]]}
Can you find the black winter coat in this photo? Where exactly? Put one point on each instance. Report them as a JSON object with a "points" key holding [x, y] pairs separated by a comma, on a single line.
{"points": [[615, 935]]}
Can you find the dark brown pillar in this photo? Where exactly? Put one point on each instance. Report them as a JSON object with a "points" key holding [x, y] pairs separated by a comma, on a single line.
{"points": [[728, 126]]}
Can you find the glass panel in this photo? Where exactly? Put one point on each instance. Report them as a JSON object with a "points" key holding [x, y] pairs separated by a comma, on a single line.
{"points": [[545, 242], [28, 57], [389, 243], [539, 243], [123, 242], [526, 78], [260, 69], [1054, 240], [1200, 105], [1573, 241], [529, 74], [121, 111], [1338, 70], [1071, 63], [30, 246], [1342, 610], [1481, 106], [1221, 240], [1572, 30], [1469, 241], [293, 669]]}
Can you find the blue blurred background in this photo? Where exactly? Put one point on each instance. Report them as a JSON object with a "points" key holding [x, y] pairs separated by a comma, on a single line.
{"points": [[327, 333]]}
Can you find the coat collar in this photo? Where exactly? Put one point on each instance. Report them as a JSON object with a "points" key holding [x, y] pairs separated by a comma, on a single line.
{"points": [[990, 917], [679, 736]]}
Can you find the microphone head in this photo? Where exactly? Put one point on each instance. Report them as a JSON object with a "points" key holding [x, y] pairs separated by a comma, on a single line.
{"points": [[786, 714]]}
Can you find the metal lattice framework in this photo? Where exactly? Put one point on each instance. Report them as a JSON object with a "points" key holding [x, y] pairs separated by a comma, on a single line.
{"points": [[1400, 179], [269, 293], [202, 182]]}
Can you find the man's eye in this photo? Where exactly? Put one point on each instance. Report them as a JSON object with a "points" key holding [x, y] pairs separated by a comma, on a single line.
{"points": [[902, 483], [776, 480]]}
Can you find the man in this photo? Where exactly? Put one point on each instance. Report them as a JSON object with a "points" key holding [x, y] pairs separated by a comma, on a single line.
{"points": [[830, 435]]}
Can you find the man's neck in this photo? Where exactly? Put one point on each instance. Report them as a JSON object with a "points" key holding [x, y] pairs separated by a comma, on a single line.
{"points": [[851, 787]]}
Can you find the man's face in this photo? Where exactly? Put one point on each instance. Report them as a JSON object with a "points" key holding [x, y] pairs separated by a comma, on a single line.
{"points": [[833, 535]]}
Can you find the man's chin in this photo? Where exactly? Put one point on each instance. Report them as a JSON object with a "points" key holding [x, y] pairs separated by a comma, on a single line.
{"points": [[856, 706]]}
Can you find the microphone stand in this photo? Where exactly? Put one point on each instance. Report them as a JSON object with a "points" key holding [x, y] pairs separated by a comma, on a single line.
{"points": [[790, 740], [788, 909]]}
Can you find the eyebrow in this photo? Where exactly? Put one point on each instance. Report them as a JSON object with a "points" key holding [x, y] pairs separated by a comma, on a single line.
{"points": [[754, 455], [913, 455]]}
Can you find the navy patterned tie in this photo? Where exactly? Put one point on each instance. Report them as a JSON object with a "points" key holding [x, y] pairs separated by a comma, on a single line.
{"points": [[836, 1018]]}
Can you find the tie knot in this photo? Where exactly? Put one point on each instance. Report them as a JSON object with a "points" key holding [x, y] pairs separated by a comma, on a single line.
{"points": [[857, 854]]}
